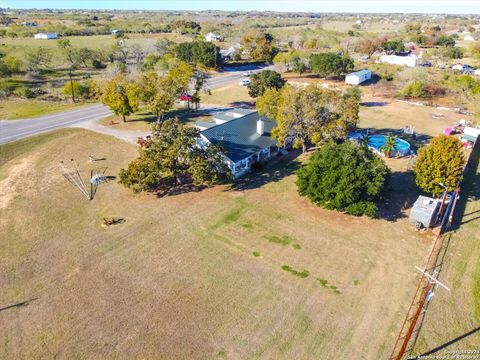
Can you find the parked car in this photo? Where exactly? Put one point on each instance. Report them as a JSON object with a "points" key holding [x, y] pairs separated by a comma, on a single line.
{"points": [[245, 82], [247, 73]]}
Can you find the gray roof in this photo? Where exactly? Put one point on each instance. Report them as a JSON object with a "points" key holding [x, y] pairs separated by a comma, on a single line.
{"points": [[205, 124], [224, 116], [239, 138], [360, 73]]}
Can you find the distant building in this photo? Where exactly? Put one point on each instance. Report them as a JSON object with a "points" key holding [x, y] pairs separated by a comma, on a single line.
{"points": [[227, 54], [464, 68], [116, 32], [212, 37], [29, 23], [46, 36], [358, 77], [469, 38], [409, 60]]}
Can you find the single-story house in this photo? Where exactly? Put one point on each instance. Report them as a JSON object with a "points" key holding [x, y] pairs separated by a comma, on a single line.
{"points": [[45, 36], [409, 60], [358, 77], [116, 32], [212, 37], [245, 140], [464, 68], [227, 54], [29, 23]]}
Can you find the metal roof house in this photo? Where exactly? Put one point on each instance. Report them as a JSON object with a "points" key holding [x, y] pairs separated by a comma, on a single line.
{"points": [[358, 77], [245, 140]]}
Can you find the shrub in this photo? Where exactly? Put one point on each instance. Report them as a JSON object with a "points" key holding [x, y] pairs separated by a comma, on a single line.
{"points": [[346, 177], [13, 64], [441, 162], [415, 89], [24, 92]]}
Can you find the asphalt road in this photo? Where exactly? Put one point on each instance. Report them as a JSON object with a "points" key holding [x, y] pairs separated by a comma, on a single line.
{"points": [[11, 130]]}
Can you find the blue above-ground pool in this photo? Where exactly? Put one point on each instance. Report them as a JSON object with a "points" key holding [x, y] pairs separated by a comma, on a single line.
{"points": [[378, 141]]}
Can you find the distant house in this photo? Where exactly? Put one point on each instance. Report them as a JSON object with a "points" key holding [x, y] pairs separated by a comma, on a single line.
{"points": [[358, 77], [245, 139], [227, 54], [212, 37], [464, 68], [29, 23], [409, 60], [46, 36], [116, 32], [469, 38]]}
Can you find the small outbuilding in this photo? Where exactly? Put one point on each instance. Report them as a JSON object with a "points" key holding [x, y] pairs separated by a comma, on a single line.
{"points": [[213, 37], [358, 77], [46, 36], [424, 212]]}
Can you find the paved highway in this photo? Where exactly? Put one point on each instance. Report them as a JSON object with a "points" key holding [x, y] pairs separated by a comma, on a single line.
{"points": [[11, 130]]}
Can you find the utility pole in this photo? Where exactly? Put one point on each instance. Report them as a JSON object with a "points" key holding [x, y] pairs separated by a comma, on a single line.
{"points": [[427, 295]]}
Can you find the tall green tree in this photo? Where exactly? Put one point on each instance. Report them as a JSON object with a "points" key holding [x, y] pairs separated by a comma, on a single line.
{"points": [[265, 79], [308, 116], [159, 92], [346, 177], [259, 45], [121, 96], [330, 64], [439, 164], [172, 158], [200, 53]]}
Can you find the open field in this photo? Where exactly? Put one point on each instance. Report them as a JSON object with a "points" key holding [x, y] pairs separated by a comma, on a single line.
{"points": [[234, 95], [20, 46], [24, 109], [344, 25], [208, 274]]}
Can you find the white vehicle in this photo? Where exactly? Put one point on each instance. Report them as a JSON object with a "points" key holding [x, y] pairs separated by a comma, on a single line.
{"points": [[245, 82], [247, 73]]}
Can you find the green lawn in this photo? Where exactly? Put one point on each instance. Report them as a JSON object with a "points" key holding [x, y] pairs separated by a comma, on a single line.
{"points": [[24, 109]]}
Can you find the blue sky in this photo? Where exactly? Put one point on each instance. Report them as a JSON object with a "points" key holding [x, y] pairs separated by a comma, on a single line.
{"points": [[408, 6]]}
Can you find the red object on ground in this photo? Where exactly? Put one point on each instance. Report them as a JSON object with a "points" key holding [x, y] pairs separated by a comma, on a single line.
{"points": [[186, 97]]}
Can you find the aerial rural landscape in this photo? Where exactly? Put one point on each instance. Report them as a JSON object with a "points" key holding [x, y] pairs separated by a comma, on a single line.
{"points": [[239, 180]]}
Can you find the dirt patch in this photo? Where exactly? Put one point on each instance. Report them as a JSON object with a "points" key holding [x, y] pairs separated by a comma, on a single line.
{"points": [[17, 174]]}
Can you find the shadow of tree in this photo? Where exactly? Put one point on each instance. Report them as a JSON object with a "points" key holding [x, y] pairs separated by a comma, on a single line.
{"points": [[400, 195], [274, 171], [373, 103], [469, 189], [243, 104], [179, 189]]}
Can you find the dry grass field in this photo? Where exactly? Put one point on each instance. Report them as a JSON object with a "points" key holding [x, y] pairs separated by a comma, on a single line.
{"points": [[453, 317], [196, 275]]}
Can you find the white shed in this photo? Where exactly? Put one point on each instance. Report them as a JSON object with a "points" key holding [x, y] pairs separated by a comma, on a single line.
{"points": [[46, 36], [212, 37], [358, 77]]}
